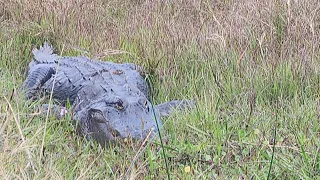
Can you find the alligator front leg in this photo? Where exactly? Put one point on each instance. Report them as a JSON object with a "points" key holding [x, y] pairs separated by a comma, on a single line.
{"points": [[167, 108], [57, 111], [37, 76]]}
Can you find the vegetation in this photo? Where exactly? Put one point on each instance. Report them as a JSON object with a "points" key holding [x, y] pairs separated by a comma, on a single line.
{"points": [[252, 67]]}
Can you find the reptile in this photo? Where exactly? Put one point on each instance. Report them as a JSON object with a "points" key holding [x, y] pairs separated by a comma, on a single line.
{"points": [[110, 101]]}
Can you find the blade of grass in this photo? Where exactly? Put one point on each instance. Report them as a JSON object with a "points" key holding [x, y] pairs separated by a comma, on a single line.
{"points": [[161, 142], [21, 135], [274, 143], [48, 112]]}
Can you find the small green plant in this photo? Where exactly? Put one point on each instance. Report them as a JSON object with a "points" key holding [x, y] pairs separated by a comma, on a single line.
{"points": [[251, 67]]}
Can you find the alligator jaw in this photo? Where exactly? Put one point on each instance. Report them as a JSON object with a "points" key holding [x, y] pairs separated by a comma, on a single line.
{"points": [[112, 119]]}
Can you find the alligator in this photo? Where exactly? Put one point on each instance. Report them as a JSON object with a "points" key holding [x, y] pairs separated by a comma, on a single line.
{"points": [[110, 101]]}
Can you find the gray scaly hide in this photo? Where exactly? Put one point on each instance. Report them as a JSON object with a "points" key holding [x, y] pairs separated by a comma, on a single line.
{"points": [[109, 100]]}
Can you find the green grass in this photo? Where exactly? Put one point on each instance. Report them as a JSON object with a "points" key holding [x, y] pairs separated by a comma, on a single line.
{"points": [[252, 68]]}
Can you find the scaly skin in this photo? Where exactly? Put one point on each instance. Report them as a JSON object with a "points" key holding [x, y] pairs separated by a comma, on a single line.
{"points": [[109, 100]]}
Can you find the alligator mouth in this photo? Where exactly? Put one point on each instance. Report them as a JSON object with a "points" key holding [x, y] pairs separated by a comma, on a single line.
{"points": [[143, 136], [113, 136], [119, 119]]}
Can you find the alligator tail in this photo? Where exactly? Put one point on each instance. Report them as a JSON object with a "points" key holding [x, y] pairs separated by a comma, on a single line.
{"points": [[44, 54]]}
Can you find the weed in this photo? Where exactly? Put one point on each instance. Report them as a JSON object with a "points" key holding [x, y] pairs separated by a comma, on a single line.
{"points": [[237, 59]]}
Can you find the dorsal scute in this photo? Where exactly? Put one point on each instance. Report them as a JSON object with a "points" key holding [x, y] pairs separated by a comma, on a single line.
{"points": [[44, 54]]}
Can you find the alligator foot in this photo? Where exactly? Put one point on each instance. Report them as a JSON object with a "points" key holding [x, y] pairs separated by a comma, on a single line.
{"points": [[58, 111], [167, 108]]}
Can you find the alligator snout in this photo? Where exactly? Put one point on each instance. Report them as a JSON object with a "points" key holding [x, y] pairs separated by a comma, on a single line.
{"points": [[116, 117]]}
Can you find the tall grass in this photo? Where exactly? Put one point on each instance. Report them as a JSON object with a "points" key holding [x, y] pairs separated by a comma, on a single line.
{"points": [[238, 59]]}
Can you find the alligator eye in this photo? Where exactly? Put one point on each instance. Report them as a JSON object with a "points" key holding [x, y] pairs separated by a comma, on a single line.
{"points": [[119, 105]]}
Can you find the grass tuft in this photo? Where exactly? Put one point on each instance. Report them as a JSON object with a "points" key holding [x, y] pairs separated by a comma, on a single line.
{"points": [[238, 60]]}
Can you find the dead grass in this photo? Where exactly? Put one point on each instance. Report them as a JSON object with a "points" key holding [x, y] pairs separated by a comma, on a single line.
{"points": [[237, 58]]}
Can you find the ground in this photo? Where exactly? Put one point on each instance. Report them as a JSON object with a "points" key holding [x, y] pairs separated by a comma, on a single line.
{"points": [[251, 66]]}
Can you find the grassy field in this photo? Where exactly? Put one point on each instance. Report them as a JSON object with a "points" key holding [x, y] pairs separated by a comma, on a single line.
{"points": [[252, 66]]}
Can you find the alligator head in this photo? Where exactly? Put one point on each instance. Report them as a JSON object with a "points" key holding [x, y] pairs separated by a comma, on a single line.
{"points": [[111, 118]]}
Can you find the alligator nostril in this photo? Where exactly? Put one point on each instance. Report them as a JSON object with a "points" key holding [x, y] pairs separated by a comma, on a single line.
{"points": [[143, 102], [97, 115]]}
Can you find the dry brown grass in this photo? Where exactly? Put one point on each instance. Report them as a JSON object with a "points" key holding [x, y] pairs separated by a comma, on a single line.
{"points": [[274, 30], [233, 56]]}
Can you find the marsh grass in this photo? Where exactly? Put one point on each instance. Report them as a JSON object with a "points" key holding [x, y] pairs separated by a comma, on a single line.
{"points": [[244, 62]]}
